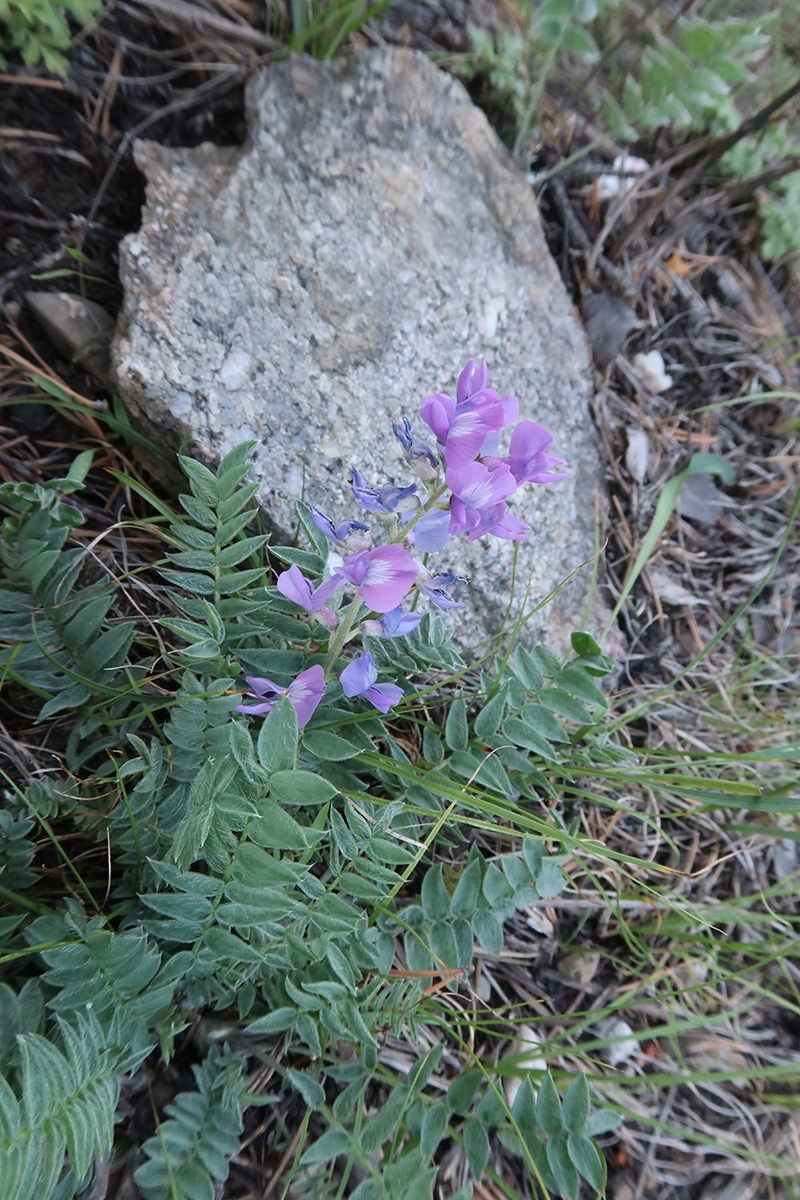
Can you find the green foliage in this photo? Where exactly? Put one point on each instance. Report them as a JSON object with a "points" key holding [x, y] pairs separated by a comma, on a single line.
{"points": [[780, 218], [60, 643], [690, 82], [259, 871], [16, 851], [64, 1100], [703, 74], [38, 29], [557, 1134], [320, 27], [193, 1148], [517, 67]]}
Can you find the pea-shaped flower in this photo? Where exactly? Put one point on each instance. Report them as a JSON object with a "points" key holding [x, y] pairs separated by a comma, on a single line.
{"points": [[361, 679], [382, 576]]}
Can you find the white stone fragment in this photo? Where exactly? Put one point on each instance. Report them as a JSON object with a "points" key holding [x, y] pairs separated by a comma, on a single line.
{"points": [[625, 167], [637, 455], [619, 1051], [651, 371]]}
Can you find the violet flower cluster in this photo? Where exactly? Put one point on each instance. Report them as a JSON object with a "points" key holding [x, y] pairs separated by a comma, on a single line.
{"points": [[472, 500]]}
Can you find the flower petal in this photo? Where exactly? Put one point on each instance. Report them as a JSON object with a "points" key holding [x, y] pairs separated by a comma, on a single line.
{"points": [[359, 675], [305, 693], [471, 380], [432, 531], [384, 695], [295, 587], [390, 574], [397, 623]]}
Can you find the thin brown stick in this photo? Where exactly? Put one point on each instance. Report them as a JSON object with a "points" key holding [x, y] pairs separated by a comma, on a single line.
{"points": [[281, 1167], [181, 10], [32, 81], [721, 146]]}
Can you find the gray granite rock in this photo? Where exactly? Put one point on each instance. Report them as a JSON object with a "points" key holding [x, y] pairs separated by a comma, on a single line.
{"points": [[370, 238]]}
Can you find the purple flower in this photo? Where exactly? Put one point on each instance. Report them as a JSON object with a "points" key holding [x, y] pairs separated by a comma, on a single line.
{"points": [[472, 422], [527, 460], [415, 450], [503, 525], [305, 693], [436, 589], [397, 623], [479, 495], [360, 678], [382, 576], [384, 499], [432, 532], [295, 587], [471, 380], [462, 428], [335, 533]]}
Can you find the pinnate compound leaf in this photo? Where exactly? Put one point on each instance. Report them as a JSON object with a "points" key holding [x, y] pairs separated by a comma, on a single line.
{"points": [[205, 792], [193, 1148]]}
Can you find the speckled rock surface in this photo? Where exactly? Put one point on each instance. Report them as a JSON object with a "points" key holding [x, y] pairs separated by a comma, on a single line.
{"points": [[371, 237]]}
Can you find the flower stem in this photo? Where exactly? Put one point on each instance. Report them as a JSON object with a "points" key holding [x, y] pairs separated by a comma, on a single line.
{"points": [[429, 504], [339, 636]]}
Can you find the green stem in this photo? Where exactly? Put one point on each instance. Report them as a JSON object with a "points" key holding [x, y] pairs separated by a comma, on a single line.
{"points": [[526, 123], [339, 635], [429, 504]]}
